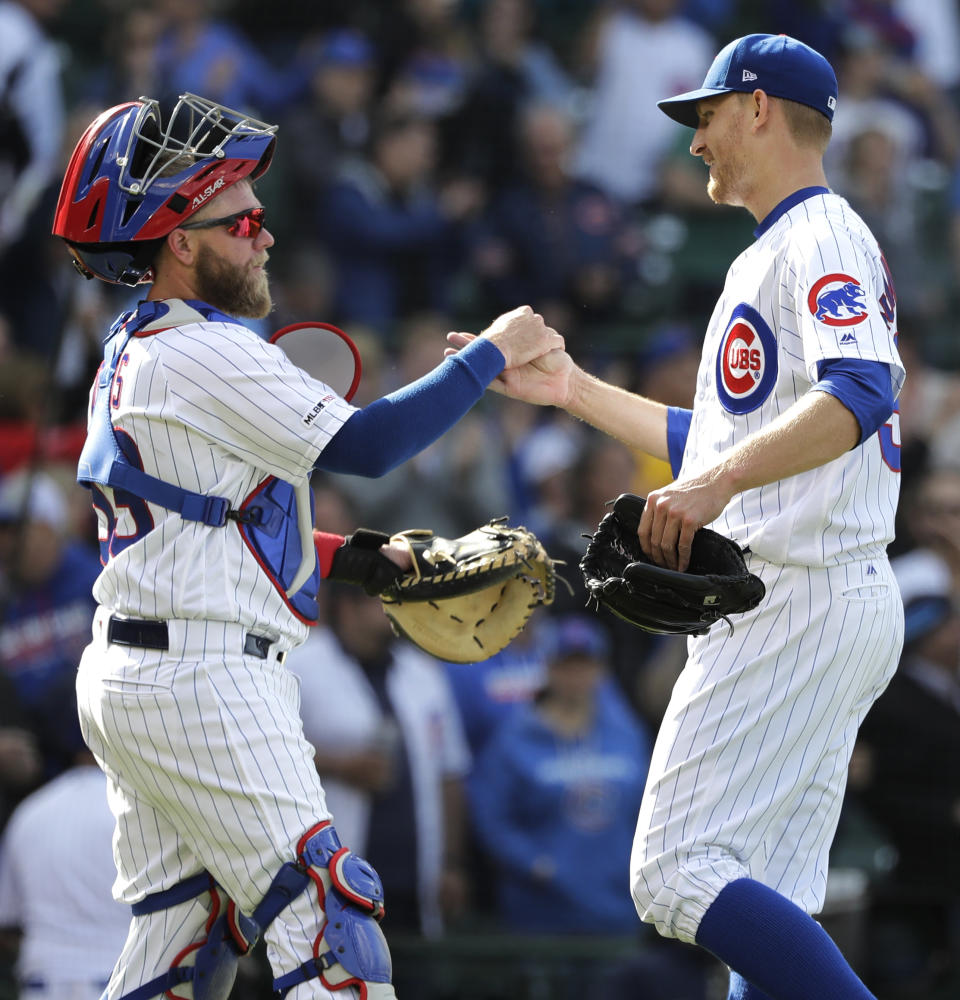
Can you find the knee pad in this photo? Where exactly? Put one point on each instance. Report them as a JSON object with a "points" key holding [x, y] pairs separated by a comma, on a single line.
{"points": [[209, 964], [349, 950]]}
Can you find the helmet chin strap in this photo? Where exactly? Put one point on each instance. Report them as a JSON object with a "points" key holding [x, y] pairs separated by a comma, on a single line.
{"points": [[119, 263], [79, 265]]}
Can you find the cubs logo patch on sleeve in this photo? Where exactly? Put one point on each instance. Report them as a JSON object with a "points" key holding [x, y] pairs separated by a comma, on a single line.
{"points": [[837, 300]]}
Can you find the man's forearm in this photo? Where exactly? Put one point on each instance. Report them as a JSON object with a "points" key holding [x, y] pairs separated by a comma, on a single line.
{"points": [[817, 429], [636, 421]]}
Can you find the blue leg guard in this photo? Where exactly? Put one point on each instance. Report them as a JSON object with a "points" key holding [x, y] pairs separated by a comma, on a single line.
{"points": [[209, 965], [349, 950]]}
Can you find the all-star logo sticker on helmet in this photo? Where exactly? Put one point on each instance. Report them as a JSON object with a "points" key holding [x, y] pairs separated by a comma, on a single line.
{"points": [[207, 193]]}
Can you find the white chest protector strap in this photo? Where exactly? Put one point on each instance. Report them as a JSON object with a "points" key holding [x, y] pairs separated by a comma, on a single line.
{"points": [[349, 950]]}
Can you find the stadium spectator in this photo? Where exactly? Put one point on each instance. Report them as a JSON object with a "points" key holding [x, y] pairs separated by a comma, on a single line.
{"points": [[21, 765], [31, 111], [426, 50], [128, 64], [935, 25], [457, 483], [555, 791], [644, 49], [546, 460], [934, 523], [875, 178], [490, 691], [912, 741], [391, 230], [882, 86], [550, 239], [66, 930], [202, 54], [31, 132], [302, 277], [332, 123], [929, 409], [513, 68], [47, 605]]}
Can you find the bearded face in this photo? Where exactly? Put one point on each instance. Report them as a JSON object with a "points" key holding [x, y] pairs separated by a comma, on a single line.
{"points": [[242, 291], [728, 167]]}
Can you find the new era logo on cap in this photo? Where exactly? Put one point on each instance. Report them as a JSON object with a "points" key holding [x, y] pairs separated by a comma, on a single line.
{"points": [[748, 76]]}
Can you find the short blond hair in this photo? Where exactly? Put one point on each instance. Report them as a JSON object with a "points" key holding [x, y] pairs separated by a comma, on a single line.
{"points": [[808, 126]]}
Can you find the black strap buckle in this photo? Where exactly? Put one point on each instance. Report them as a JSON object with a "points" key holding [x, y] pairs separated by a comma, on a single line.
{"points": [[251, 515], [257, 645]]}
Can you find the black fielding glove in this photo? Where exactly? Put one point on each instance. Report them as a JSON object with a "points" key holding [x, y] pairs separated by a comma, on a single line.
{"points": [[620, 576]]}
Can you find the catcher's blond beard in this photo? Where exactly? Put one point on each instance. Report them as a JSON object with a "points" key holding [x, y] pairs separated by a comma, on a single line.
{"points": [[241, 292]]}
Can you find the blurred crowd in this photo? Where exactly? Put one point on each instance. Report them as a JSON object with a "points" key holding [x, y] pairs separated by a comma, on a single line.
{"points": [[439, 162]]}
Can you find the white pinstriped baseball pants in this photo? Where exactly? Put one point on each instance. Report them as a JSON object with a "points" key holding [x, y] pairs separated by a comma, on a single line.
{"points": [[749, 767], [208, 768]]}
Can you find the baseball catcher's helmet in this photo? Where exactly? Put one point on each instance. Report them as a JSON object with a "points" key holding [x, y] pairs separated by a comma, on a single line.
{"points": [[135, 175]]}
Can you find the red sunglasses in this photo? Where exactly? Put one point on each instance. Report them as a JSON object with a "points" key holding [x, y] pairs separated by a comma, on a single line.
{"points": [[244, 225]]}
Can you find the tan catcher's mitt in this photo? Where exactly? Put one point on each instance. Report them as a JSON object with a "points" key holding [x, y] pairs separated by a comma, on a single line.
{"points": [[465, 598]]}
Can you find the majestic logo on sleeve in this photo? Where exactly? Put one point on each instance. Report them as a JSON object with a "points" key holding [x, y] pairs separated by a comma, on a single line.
{"points": [[746, 362], [837, 300]]}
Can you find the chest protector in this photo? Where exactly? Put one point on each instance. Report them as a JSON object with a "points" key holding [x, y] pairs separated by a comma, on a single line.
{"points": [[275, 521]]}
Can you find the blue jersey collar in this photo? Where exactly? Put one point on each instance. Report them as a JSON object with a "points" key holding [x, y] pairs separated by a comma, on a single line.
{"points": [[786, 205]]}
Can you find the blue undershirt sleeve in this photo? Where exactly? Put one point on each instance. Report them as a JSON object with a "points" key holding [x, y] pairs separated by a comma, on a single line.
{"points": [[864, 387], [392, 429], [678, 427]]}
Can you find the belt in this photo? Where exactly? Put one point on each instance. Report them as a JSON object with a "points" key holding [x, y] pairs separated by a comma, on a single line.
{"points": [[150, 634]]}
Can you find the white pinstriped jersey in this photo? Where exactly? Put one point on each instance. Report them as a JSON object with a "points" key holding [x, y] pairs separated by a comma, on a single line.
{"points": [[212, 408], [814, 286]]}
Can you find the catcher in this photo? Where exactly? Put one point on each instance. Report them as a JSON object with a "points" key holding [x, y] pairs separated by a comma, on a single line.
{"points": [[201, 442]]}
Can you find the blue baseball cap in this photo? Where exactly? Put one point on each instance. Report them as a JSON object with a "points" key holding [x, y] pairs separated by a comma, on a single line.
{"points": [[346, 48], [574, 635], [777, 64]]}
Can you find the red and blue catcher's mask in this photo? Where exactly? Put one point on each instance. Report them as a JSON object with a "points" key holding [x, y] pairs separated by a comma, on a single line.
{"points": [[125, 188]]}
